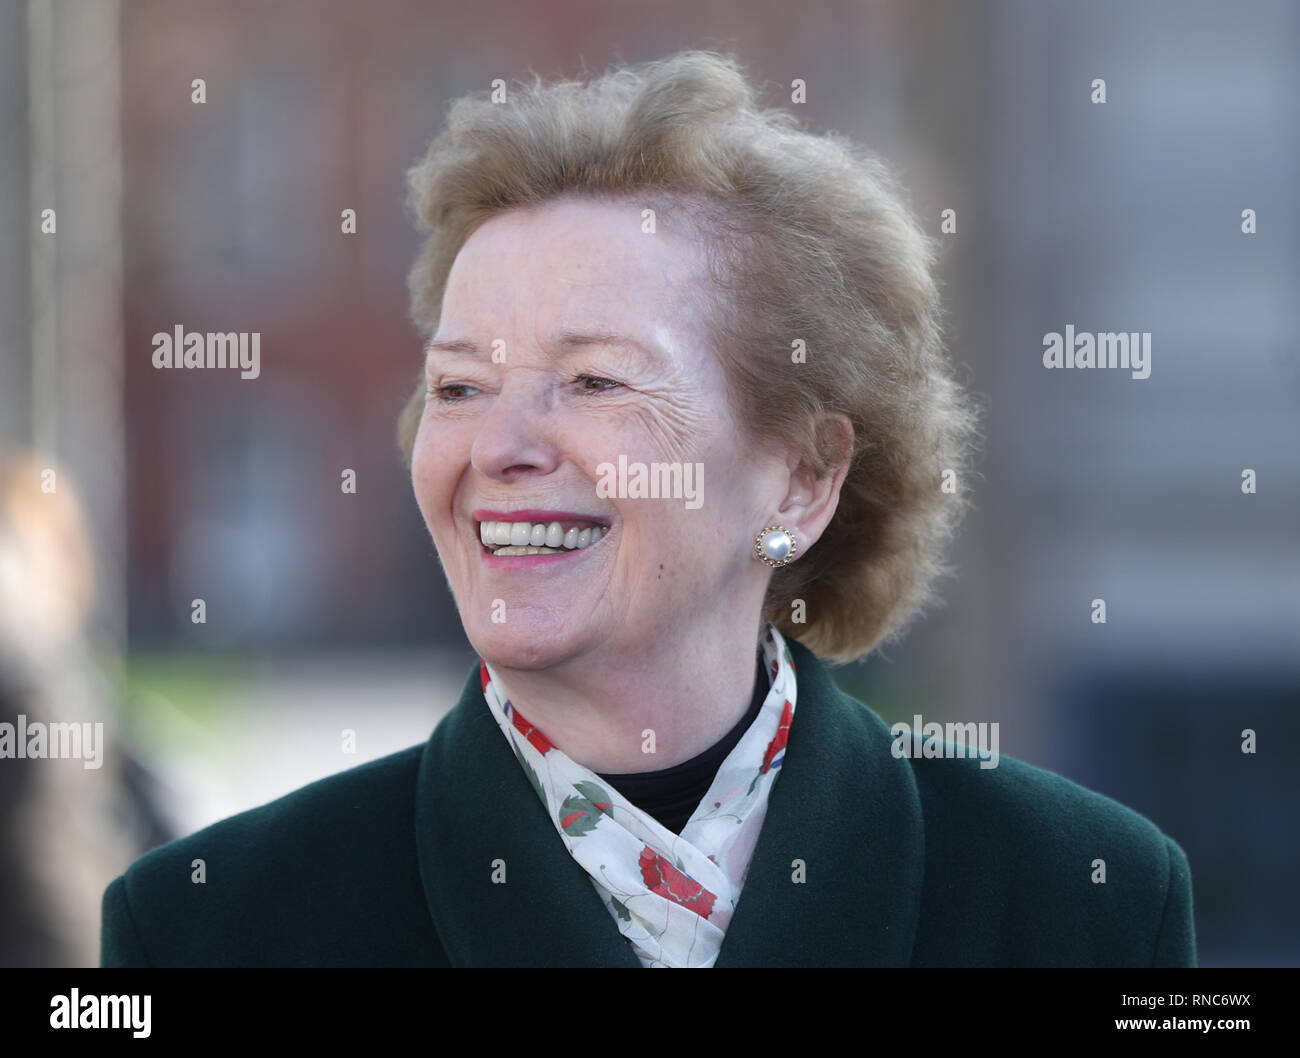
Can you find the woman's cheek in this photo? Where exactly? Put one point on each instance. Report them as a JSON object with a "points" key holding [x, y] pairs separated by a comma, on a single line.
{"points": [[428, 476]]}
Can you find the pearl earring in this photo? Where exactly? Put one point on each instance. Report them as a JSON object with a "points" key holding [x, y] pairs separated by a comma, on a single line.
{"points": [[775, 545]]}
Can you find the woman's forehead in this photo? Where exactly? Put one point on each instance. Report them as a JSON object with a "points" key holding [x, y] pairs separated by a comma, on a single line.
{"points": [[581, 267], [580, 243]]}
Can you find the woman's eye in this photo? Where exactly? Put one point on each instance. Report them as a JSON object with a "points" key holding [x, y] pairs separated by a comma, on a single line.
{"points": [[452, 392], [595, 383]]}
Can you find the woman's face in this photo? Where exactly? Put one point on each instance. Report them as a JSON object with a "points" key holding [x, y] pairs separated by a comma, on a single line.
{"points": [[569, 338]]}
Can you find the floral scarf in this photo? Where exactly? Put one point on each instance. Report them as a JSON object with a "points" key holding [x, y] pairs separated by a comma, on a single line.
{"points": [[672, 896]]}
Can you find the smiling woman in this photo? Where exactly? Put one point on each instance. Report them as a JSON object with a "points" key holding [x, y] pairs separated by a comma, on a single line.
{"points": [[650, 763]]}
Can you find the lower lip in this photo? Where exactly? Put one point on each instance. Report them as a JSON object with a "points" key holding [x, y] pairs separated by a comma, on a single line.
{"points": [[532, 561]]}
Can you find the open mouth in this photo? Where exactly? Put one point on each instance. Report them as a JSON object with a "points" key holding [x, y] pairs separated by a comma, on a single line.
{"points": [[539, 538]]}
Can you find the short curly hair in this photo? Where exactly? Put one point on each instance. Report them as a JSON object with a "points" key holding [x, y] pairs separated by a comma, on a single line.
{"points": [[808, 239]]}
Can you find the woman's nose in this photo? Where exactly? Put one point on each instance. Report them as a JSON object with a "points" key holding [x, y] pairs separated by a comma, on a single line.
{"points": [[513, 436]]}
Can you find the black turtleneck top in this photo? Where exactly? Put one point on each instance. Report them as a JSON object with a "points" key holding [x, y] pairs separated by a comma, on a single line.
{"points": [[672, 794]]}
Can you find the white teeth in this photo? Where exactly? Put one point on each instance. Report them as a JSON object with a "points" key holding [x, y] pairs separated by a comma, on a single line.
{"points": [[532, 538]]}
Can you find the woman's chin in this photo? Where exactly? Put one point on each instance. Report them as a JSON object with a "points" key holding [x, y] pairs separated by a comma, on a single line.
{"points": [[521, 646]]}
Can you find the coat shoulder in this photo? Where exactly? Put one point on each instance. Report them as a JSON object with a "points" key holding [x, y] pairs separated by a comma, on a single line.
{"points": [[1051, 873], [296, 881]]}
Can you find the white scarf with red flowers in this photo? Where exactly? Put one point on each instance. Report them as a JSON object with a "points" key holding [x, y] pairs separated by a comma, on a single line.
{"points": [[672, 896]]}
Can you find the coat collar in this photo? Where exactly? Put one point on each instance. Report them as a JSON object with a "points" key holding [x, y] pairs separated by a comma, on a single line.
{"points": [[843, 805]]}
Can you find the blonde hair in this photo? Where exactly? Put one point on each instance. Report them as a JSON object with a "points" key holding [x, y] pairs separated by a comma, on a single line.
{"points": [[808, 239]]}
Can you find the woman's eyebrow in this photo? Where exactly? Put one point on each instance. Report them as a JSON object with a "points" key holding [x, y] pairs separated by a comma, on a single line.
{"points": [[577, 339], [453, 345], [572, 340]]}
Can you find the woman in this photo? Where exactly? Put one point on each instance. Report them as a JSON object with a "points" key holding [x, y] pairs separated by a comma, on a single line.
{"points": [[682, 430]]}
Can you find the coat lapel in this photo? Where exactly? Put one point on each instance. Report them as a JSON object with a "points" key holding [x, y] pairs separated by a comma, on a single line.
{"points": [[843, 805], [474, 807], [850, 811]]}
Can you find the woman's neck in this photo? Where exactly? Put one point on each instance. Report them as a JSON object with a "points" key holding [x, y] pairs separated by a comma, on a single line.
{"points": [[629, 709]]}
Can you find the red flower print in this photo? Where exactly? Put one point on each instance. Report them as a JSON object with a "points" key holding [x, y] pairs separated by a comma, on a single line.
{"points": [[531, 733], [660, 876], [777, 745], [483, 673]]}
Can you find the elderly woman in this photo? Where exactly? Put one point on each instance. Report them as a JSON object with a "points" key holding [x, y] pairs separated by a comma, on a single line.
{"points": [[682, 433]]}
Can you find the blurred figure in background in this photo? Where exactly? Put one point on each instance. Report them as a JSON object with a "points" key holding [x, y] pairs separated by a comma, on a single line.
{"points": [[66, 825]]}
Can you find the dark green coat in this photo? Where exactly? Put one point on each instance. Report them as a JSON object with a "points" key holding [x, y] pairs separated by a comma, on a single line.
{"points": [[907, 862]]}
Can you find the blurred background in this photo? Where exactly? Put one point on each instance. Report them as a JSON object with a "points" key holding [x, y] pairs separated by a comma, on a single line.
{"points": [[327, 611]]}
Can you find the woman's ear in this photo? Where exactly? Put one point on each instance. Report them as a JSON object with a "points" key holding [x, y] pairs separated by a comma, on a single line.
{"points": [[812, 498]]}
